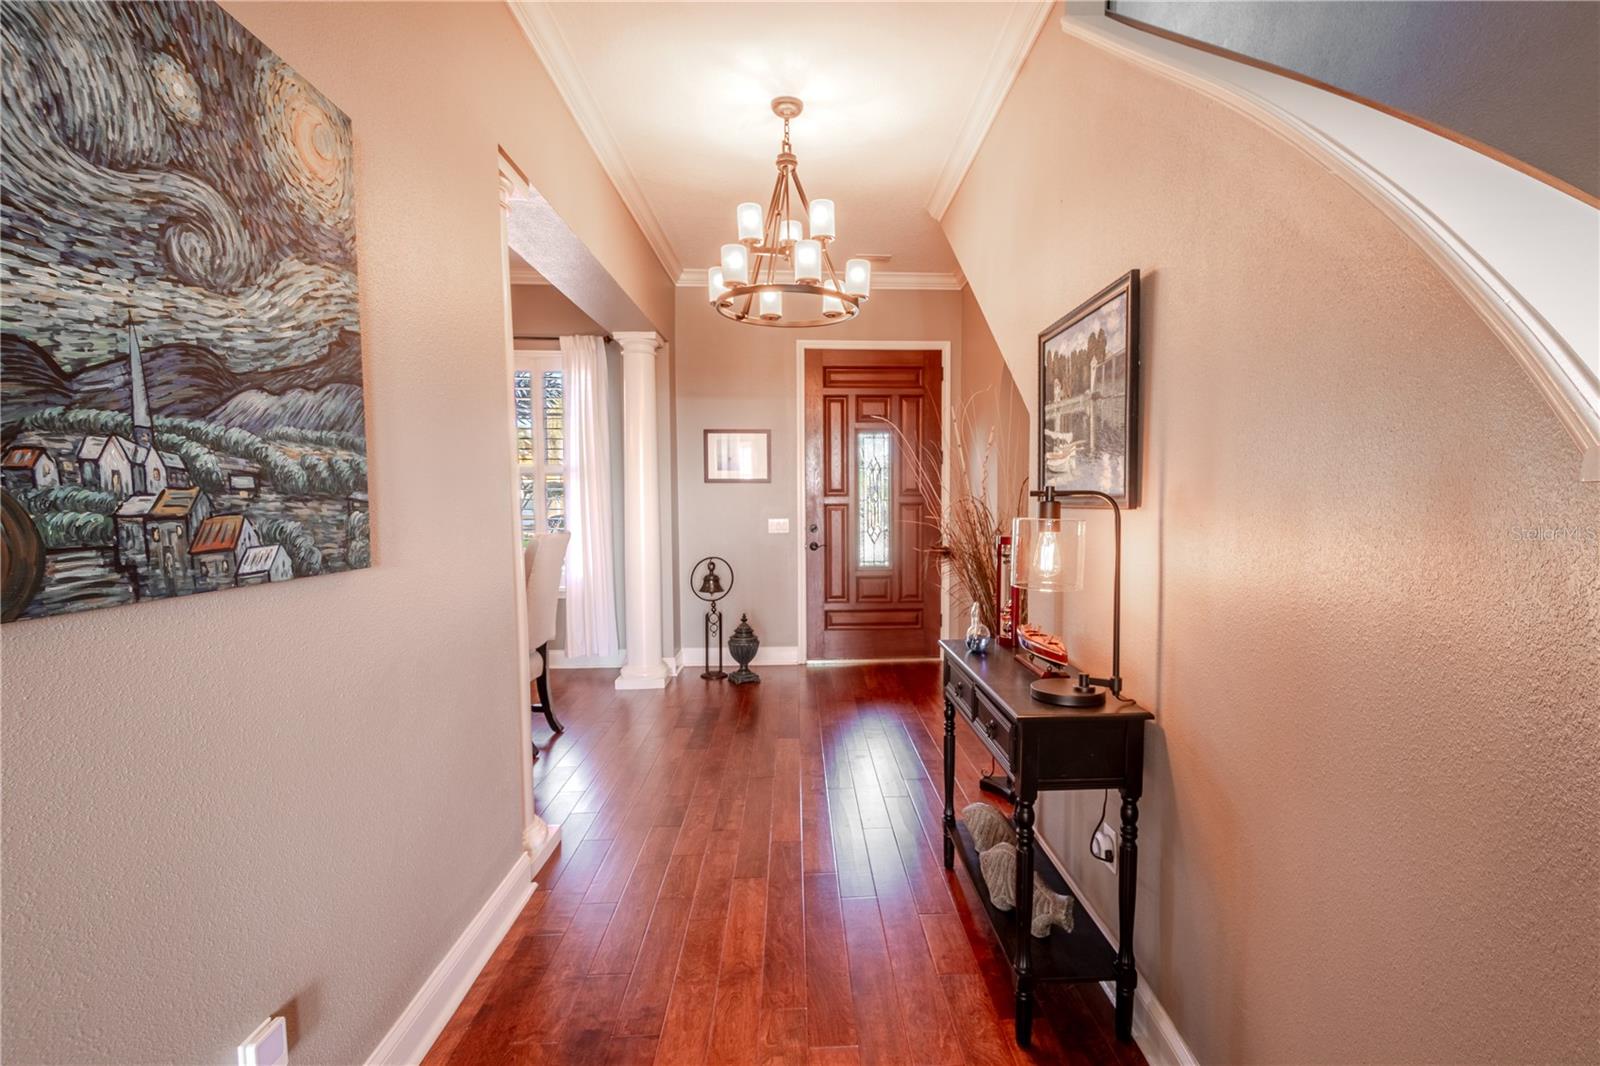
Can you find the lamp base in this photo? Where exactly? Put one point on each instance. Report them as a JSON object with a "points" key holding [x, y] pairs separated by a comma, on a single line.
{"points": [[999, 784], [1067, 692]]}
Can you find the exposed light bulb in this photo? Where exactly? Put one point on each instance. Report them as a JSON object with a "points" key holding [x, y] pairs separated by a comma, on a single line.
{"points": [[736, 264], [1047, 559]]}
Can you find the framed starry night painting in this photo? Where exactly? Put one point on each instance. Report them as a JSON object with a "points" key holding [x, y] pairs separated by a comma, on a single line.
{"points": [[181, 404]]}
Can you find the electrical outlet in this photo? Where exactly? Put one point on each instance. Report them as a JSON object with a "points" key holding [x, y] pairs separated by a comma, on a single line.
{"points": [[267, 1046], [1104, 845]]}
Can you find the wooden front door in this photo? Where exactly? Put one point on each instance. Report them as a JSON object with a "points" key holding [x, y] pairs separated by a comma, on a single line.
{"points": [[872, 584]]}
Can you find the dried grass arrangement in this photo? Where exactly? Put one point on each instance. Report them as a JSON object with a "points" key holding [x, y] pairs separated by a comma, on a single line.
{"points": [[969, 524]]}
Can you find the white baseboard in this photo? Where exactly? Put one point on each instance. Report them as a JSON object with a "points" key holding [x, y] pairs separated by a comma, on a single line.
{"points": [[559, 660], [1153, 1030], [775, 656], [418, 1026]]}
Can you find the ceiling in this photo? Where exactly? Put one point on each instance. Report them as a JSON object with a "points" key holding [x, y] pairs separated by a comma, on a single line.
{"points": [[675, 98]]}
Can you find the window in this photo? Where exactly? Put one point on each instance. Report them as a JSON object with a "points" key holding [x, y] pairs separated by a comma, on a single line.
{"points": [[541, 442], [872, 498]]}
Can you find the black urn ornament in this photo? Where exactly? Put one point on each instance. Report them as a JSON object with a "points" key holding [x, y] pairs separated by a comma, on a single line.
{"points": [[743, 646]]}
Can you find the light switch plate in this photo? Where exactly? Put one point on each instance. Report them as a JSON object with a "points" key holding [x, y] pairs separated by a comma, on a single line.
{"points": [[267, 1046], [777, 525]]}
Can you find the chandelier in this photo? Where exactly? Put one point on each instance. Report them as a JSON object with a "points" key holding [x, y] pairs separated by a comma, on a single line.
{"points": [[747, 286]]}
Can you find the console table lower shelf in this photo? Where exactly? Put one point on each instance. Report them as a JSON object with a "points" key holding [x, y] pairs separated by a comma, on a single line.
{"points": [[1083, 954]]}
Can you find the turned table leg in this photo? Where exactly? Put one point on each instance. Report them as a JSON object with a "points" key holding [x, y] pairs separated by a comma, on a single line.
{"points": [[1127, 882], [1023, 819]]}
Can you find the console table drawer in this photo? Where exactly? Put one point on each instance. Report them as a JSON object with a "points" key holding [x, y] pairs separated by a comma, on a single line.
{"points": [[958, 689], [995, 728]]}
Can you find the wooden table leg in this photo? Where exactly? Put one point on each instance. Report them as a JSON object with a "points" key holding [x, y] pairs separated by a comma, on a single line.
{"points": [[1127, 975], [1023, 819], [949, 784]]}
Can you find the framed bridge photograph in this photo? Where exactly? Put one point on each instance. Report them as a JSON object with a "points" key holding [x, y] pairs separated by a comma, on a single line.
{"points": [[1089, 395]]}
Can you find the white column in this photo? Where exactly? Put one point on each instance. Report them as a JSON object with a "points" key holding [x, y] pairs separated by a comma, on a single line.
{"points": [[642, 513]]}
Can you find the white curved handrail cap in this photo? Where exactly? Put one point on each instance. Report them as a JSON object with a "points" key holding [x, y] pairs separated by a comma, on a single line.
{"points": [[1525, 256]]}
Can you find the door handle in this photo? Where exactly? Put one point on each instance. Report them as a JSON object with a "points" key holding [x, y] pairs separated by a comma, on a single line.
{"points": [[814, 546]]}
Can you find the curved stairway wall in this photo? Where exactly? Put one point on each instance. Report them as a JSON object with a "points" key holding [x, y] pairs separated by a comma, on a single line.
{"points": [[1362, 594]]}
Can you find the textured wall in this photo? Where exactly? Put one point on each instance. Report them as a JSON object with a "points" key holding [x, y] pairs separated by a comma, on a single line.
{"points": [[1520, 77], [730, 376], [215, 806], [1372, 813], [541, 310]]}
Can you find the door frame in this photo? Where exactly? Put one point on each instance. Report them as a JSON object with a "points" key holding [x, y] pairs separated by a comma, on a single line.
{"points": [[801, 347]]}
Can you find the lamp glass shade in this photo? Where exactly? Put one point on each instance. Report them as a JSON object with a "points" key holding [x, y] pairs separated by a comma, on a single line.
{"points": [[832, 306], [715, 286], [749, 216], [1047, 554], [822, 219], [735, 264], [793, 230], [771, 305], [808, 261], [858, 277]]}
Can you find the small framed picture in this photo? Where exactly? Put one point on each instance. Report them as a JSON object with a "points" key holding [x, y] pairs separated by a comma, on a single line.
{"points": [[738, 455], [1089, 396]]}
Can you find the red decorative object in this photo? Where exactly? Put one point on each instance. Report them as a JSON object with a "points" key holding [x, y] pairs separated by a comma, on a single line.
{"points": [[1005, 596]]}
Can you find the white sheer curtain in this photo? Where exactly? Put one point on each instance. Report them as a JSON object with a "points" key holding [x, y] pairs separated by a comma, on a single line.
{"points": [[591, 584]]}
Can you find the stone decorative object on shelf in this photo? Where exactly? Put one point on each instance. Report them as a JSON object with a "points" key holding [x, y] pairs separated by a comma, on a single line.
{"points": [[743, 646], [999, 866], [988, 826]]}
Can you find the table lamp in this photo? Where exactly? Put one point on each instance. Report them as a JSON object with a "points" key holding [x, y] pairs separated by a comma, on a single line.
{"points": [[1047, 557]]}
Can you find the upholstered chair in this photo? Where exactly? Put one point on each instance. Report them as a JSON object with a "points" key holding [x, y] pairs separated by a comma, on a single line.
{"points": [[542, 558]]}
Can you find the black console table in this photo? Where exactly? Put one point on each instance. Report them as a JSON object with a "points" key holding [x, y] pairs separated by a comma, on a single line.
{"points": [[1046, 748]]}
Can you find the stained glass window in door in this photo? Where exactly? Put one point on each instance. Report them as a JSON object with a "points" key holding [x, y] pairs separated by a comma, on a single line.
{"points": [[872, 498]]}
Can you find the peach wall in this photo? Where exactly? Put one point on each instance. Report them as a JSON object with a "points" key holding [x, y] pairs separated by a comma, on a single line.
{"points": [[733, 376], [1373, 786], [542, 310], [302, 794]]}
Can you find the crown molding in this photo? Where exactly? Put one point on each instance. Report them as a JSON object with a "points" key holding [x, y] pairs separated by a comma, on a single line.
{"points": [[881, 280], [1021, 29], [539, 25]]}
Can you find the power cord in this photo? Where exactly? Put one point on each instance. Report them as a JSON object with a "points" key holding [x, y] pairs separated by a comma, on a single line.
{"points": [[1095, 831]]}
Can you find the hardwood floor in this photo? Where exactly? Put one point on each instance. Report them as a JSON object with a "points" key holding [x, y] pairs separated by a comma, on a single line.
{"points": [[753, 875]]}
